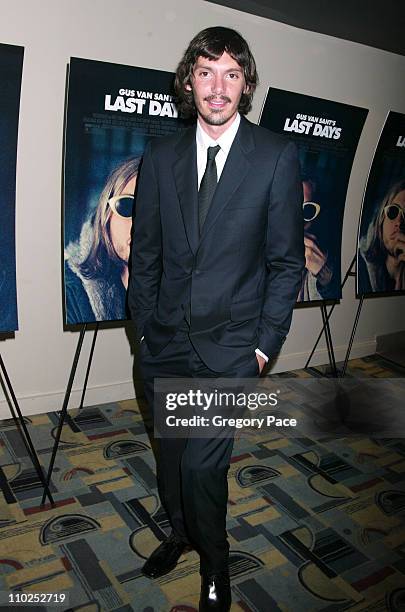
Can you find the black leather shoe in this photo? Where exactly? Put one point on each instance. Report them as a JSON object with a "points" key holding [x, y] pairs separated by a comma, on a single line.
{"points": [[165, 557], [215, 593]]}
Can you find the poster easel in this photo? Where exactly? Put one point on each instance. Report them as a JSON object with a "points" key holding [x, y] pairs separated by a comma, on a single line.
{"points": [[326, 330]]}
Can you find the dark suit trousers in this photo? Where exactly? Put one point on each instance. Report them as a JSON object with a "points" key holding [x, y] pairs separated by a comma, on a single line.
{"points": [[192, 473]]}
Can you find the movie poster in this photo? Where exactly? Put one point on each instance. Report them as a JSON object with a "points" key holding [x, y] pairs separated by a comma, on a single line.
{"points": [[112, 112], [327, 134], [11, 63], [381, 235]]}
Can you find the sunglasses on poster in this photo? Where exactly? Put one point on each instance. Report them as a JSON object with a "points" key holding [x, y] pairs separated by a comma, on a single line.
{"points": [[122, 205], [393, 210], [311, 210]]}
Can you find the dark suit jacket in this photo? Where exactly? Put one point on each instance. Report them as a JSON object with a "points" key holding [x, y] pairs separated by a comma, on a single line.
{"points": [[242, 276]]}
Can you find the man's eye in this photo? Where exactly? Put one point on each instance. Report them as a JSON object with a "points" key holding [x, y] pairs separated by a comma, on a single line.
{"points": [[233, 75], [203, 74]]}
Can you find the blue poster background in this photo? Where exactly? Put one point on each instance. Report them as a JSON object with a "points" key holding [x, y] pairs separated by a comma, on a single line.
{"points": [[326, 134], [381, 240], [112, 112], [11, 62]]}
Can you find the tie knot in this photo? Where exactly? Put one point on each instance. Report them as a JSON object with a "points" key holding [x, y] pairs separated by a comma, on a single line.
{"points": [[211, 152]]}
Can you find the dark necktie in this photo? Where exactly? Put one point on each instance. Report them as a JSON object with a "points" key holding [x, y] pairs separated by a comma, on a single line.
{"points": [[208, 185]]}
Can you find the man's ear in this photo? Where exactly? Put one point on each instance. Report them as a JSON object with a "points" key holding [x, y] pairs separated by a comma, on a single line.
{"points": [[187, 87]]}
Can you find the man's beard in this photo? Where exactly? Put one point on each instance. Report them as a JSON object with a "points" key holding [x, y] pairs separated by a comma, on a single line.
{"points": [[216, 117]]}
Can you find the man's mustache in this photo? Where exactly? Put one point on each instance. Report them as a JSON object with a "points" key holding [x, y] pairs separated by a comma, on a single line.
{"points": [[213, 97]]}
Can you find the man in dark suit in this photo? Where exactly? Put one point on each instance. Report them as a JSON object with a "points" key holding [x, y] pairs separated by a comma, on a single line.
{"points": [[217, 261]]}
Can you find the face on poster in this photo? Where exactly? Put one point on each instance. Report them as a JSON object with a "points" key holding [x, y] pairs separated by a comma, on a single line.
{"points": [[326, 134], [381, 235], [11, 62], [112, 112]]}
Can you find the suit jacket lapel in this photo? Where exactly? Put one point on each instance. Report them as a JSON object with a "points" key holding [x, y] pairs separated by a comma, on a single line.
{"points": [[236, 168], [185, 174]]}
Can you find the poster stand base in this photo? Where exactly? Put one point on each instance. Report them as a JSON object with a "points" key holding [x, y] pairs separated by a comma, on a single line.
{"points": [[18, 419], [333, 371], [63, 413]]}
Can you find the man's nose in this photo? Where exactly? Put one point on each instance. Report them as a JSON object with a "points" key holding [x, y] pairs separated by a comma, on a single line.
{"points": [[218, 84]]}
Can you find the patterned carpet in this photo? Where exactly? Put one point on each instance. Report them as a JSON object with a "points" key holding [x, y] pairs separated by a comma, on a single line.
{"points": [[313, 525]]}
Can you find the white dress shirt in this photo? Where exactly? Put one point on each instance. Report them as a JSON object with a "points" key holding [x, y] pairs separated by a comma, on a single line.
{"points": [[225, 141]]}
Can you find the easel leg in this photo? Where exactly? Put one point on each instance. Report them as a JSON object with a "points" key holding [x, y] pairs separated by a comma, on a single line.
{"points": [[328, 315], [65, 406], [349, 348], [93, 344], [329, 343], [22, 428]]}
